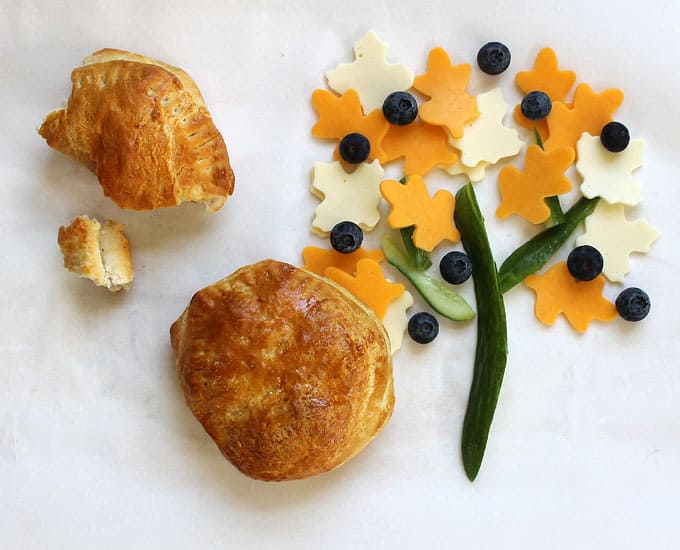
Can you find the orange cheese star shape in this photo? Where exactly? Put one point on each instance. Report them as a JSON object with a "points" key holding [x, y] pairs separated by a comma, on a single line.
{"points": [[353, 197], [339, 116], [524, 193], [485, 138], [395, 319], [580, 301], [369, 285], [616, 238], [412, 205], [370, 74], [606, 174], [546, 77], [319, 259], [449, 105], [591, 111], [423, 147]]}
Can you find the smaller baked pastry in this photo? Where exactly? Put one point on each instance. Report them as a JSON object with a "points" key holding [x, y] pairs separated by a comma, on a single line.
{"points": [[98, 252], [288, 373], [142, 126]]}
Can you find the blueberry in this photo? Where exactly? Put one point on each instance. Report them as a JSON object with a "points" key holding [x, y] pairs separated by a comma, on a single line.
{"points": [[493, 58], [455, 267], [536, 105], [400, 108], [615, 137], [633, 304], [346, 237], [423, 327], [585, 263], [354, 148]]}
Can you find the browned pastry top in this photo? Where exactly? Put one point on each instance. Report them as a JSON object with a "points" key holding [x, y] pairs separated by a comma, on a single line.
{"points": [[287, 372], [143, 128]]}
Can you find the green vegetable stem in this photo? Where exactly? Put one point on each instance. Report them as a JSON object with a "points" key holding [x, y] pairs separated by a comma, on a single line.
{"points": [[438, 294], [492, 347], [533, 254]]}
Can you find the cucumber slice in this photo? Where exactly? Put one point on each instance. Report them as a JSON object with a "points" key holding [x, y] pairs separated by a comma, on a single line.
{"points": [[436, 293]]}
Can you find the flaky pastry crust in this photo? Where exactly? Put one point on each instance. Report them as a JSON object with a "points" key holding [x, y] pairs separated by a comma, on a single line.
{"points": [[143, 128], [286, 371]]}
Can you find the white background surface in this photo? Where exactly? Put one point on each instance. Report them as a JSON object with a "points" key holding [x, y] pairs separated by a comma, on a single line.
{"points": [[97, 449]]}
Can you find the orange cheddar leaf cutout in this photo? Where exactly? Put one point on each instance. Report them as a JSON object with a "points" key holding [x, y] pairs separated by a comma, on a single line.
{"points": [[318, 259], [449, 105], [590, 112], [524, 192], [580, 302], [369, 285], [423, 147], [546, 77], [342, 115], [412, 205]]}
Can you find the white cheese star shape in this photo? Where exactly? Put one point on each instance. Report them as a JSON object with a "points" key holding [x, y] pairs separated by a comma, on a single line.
{"points": [[485, 138], [346, 197], [474, 173], [395, 320], [616, 238], [370, 74], [606, 174]]}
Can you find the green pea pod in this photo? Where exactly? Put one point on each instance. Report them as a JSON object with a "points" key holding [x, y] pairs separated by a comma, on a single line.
{"points": [[535, 253], [439, 295], [492, 340]]}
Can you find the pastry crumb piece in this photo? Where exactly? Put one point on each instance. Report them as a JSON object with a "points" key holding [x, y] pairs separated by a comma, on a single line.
{"points": [[99, 252]]}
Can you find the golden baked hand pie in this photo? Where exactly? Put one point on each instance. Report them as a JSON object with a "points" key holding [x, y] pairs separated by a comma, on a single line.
{"points": [[143, 128], [287, 372]]}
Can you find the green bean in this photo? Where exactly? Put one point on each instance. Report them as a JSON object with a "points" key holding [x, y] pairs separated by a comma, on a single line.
{"points": [[492, 341], [534, 254]]}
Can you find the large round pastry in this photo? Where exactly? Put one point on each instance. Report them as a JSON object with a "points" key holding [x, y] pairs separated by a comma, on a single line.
{"points": [[286, 371]]}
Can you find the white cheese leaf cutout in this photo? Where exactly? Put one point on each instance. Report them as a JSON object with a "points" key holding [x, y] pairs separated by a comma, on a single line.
{"points": [[486, 139], [475, 173], [395, 319], [370, 74], [606, 174], [351, 197], [616, 238]]}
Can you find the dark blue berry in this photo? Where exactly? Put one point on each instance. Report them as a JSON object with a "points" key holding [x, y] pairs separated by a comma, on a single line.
{"points": [[354, 148], [455, 267], [615, 137], [633, 304], [346, 237], [423, 327], [536, 105], [493, 58], [400, 108], [585, 263]]}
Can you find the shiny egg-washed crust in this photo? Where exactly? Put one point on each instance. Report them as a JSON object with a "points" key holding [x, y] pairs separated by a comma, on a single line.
{"points": [[286, 371], [143, 128]]}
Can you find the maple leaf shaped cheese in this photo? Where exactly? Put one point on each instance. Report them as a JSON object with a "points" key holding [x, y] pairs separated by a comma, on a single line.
{"points": [[412, 205], [541, 126], [449, 105], [590, 112], [474, 173], [318, 259], [580, 301], [485, 138], [616, 238], [353, 197], [370, 74], [524, 192], [395, 319], [606, 174], [339, 116], [546, 77], [368, 285], [423, 147]]}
